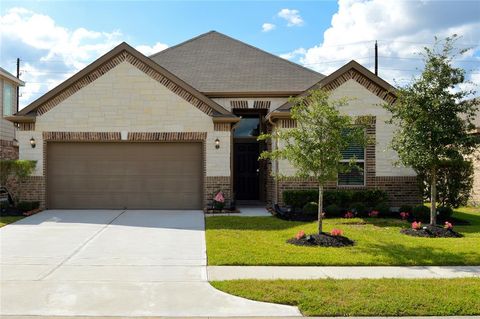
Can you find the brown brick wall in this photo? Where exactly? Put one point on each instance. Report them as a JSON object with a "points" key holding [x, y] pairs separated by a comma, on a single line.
{"points": [[213, 184], [8, 151], [31, 189]]}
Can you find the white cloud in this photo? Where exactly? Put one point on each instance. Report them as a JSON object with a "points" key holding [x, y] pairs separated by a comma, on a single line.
{"points": [[402, 29], [268, 27], [51, 53], [294, 54], [292, 17], [149, 50]]}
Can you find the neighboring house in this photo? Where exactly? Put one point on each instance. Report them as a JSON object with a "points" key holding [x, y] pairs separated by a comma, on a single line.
{"points": [[170, 130], [8, 100]]}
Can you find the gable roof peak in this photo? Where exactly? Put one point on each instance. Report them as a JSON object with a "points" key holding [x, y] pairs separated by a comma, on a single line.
{"points": [[121, 53]]}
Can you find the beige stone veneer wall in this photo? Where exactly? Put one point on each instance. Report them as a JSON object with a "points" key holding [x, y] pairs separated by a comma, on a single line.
{"points": [[125, 99]]}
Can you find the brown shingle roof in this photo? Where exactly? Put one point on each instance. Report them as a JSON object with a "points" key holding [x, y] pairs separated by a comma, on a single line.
{"points": [[216, 64]]}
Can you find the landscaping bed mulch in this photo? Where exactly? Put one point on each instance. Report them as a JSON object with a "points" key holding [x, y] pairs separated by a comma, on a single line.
{"points": [[431, 232], [323, 239], [11, 211]]}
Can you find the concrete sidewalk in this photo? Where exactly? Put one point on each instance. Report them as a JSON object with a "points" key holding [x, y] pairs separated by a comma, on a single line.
{"points": [[356, 272]]}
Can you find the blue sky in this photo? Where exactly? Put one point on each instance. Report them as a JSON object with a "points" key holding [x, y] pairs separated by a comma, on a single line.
{"points": [[147, 22], [55, 39]]}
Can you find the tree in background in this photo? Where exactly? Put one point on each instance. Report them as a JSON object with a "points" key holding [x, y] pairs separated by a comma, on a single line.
{"points": [[314, 147], [454, 182], [434, 118]]}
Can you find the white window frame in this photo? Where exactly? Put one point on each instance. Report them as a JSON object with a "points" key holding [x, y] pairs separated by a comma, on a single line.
{"points": [[364, 175], [12, 98]]}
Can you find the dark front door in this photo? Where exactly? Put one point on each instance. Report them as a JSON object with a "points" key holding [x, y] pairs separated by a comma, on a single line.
{"points": [[246, 170]]}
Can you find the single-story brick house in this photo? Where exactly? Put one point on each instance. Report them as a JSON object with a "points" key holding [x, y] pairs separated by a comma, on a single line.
{"points": [[169, 130]]}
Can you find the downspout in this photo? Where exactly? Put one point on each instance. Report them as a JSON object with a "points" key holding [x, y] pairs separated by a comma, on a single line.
{"points": [[275, 168]]}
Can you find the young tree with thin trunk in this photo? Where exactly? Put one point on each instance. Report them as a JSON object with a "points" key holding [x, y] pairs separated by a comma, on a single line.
{"points": [[314, 147], [433, 116]]}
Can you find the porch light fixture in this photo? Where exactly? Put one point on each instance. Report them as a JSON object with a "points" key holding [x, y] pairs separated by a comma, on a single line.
{"points": [[217, 143], [32, 142], [15, 142]]}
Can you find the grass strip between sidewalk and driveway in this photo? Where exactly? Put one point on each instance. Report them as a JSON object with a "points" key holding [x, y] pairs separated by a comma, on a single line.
{"points": [[365, 297], [378, 242], [5, 220]]}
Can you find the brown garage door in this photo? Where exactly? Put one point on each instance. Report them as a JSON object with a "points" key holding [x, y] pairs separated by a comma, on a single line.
{"points": [[124, 175]]}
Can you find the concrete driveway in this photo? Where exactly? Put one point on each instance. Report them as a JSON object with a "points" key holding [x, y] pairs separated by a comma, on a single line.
{"points": [[114, 263]]}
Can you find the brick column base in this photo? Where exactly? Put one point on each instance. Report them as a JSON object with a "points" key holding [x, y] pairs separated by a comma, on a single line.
{"points": [[213, 184]]}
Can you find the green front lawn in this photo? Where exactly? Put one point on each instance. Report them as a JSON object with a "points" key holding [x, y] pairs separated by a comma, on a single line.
{"points": [[366, 297], [5, 220], [261, 241]]}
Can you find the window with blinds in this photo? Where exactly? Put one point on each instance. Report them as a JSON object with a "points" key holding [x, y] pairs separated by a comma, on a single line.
{"points": [[356, 176]]}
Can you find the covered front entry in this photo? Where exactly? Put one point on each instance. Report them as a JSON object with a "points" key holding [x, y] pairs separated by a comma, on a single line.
{"points": [[124, 175], [248, 171]]}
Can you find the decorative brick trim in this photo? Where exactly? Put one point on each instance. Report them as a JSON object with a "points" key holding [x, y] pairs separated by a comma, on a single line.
{"points": [[215, 183], [112, 63], [287, 123], [239, 104], [262, 104], [81, 136], [167, 136], [225, 127], [363, 80], [26, 126]]}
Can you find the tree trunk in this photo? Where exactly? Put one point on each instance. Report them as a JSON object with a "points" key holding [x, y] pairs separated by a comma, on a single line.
{"points": [[320, 208], [433, 197]]}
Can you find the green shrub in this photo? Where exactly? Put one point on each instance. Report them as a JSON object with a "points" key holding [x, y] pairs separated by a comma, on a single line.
{"points": [[383, 209], [310, 209], [373, 197], [341, 198], [299, 198], [444, 213], [27, 206], [333, 210], [4, 204], [359, 208], [406, 209], [421, 213]]}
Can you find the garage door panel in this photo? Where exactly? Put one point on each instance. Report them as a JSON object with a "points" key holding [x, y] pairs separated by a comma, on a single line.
{"points": [[119, 175]]}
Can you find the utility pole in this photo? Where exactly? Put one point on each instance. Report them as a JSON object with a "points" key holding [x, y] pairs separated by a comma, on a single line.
{"points": [[376, 58], [18, 87]]}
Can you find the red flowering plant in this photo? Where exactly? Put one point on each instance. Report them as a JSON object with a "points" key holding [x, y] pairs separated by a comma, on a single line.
{"points": [[349, 214], [373, 213], [404, 215], [219, 200], [448, 225], [417, 225], [300, 235], [336, 232]]}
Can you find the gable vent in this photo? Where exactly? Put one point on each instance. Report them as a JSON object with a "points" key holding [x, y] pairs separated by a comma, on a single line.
{"points": [[239, 104], [261, 104]]}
